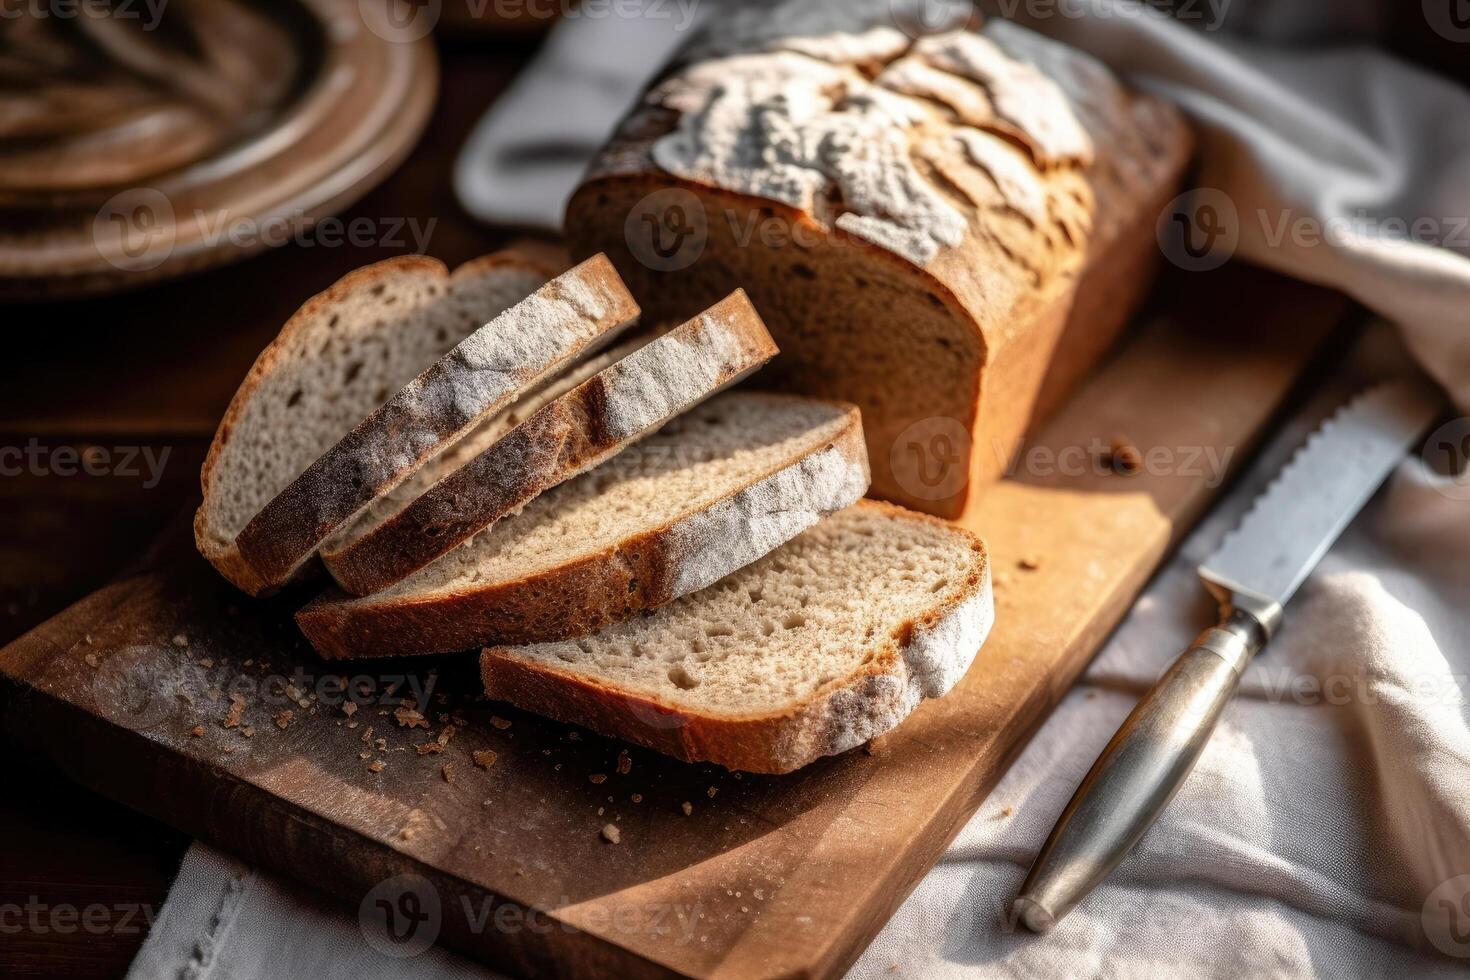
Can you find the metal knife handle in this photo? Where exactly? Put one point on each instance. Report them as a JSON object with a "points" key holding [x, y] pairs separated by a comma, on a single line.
{"points": [[1139, 772]]}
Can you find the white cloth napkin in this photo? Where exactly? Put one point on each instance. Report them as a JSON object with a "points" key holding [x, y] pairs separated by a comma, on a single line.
{"points": [[1326, 829]]}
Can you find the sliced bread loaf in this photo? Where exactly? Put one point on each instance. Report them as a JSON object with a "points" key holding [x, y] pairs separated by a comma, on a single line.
{"points": [[816, 648], [568, 435], [561, 322], [338, 358], [712, 491]]}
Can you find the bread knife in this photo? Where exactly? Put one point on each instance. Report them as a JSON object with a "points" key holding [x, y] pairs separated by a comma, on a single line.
{"points": [[1255, 572]]}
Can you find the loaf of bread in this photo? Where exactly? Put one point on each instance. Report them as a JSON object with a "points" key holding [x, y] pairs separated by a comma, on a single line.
{"points": [[947, 227]]}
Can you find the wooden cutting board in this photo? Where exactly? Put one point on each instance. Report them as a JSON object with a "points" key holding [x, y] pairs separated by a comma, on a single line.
{"points": [[129, 692]]}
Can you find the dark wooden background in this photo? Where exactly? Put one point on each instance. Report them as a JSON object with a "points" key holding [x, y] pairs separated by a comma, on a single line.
{"points": [[156, 368]]}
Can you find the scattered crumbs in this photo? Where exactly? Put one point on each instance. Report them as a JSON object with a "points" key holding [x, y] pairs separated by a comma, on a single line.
{"points": [[738, 775], [410, 717], [197, 731], [625, 763], [214, 694], [430, 748], [248, 731], [364, 755], [712, 791], [350, 708], [484, 758], [284, 718], [760, 895], [601, 810], [1123, 456], [687, 807], [228, 750], [250, 662], [485, 803], [744, 909], [556, 768], [236, 712], [636, 797], [499, 722], [377, 765], [406, 833], [1089, 695], [92, 660], [367, 735], [611, 834], [180, 640], [382, 744], [574, 736], [446, 735], [1008, 811], [448, 771], [1029, 563], [87, 638], [597, 778], [207, 662], [352, 724]]}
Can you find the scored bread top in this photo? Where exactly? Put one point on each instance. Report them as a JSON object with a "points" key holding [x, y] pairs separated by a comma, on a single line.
{"points": [[713, 490], [567, 318], [824, 643], [336, 359], [621, 403]]}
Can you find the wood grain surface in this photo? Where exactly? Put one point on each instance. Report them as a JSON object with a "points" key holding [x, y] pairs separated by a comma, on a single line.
{"points": [[128, 692]]}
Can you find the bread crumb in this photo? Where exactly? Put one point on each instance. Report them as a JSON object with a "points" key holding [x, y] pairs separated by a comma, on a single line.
{"points": [[485, 758], [687, 807], [236, 712], [448, 771], [92, 660], [197, 731], [446, 735], [625, 763], [284, 718], [597, 778], [248, 731], [429, 748], [410, 717], [180, 640], [611, 834], [377, 765], [364, 755], [1008, 811], [499, 722], [207, 662], [636, 797], [367, 735], [350, 708], [1123, 456], [1029, 563], [712, 791]]}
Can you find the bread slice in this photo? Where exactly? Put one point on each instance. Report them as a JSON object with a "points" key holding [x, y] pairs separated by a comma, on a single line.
{"points": [[818, 647], [568, 435], [339, 357], [711, 492], [562, 321]]}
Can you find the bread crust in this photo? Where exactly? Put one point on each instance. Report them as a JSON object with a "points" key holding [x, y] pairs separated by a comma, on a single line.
{"points": [[222, 554], [427, 414], [563, 438], [842, 714], [640, 572]]}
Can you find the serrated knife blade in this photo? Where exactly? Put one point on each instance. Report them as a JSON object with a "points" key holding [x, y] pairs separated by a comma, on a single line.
{"points": [[1293, 523], [1257, 569]]}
